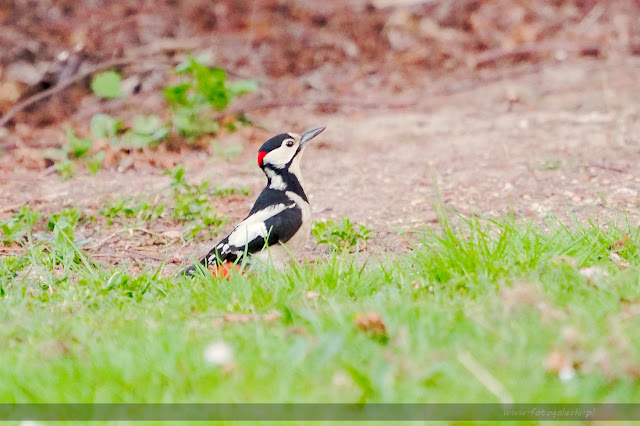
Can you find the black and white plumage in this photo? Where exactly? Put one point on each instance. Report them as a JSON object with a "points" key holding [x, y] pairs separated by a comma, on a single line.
{"points": [[280, 220]]}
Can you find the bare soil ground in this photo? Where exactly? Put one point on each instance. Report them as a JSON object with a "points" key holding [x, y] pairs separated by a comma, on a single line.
{"points": [[549, 130]]}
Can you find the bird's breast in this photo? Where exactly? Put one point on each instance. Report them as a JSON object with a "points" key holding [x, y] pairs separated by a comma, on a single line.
{"points": [[299, 239]]}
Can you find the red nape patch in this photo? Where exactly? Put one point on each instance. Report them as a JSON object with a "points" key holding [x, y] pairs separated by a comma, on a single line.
{"points": [[261, 155], [224, 270]]}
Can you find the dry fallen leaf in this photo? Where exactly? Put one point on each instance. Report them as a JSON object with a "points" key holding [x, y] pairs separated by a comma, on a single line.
{"points": [[550, 313], [618, 244], [571, 336], [9, 92], [301, 331], [529, 295], [561, 364], [599, 360], [521, 294], [622, 262], [564, 258], [633, 371], [54, 348], [372, 323], [593, 273], [310, 295], [171, 235], [629, 311]]}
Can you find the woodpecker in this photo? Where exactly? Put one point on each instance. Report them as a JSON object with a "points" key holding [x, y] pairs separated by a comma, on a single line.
{"points": [[279, 221]]}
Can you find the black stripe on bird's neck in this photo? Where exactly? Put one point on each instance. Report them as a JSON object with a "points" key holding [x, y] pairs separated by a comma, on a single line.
{"points": [[284, 180]]}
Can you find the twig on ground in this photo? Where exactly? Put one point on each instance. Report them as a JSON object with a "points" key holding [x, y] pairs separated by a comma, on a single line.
{"points": [[143, 255], [10, 252], [129, 253], [494, 55], [486, 378], [103, 241], [48, 171], [146, 231], [62, 86], [134, 55], [121, 231], [608, 168], [590, 18]]}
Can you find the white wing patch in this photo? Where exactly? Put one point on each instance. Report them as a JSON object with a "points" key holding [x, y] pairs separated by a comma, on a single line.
{"points": [[253, 226]]}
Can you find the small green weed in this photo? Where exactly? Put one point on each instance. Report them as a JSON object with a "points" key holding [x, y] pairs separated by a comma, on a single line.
{"points": [[147, 130], [340, 236], [191, 204], [63, 225], [226, 153], [95, 163], [225, 192], [9, 266], [65, 168], [105, 126], [107, 85], [191, 101], [77, 147], [19, 226], [201, 89], [551, 165], [131, 208]]}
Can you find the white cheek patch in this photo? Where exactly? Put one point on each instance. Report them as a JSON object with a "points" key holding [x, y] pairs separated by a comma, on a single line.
{"points": [[279, 157]]}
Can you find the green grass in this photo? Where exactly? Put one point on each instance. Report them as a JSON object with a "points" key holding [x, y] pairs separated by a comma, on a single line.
{"points": [[340, 236], [494, 297]]}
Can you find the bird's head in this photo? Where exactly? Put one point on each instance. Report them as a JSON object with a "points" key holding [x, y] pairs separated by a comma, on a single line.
{"points": [[285, 150]]}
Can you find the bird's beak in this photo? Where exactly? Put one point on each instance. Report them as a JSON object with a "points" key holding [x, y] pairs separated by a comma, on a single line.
{"points": [[307, 136]]}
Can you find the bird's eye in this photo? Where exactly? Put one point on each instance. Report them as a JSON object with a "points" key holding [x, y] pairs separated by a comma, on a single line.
{"points": [[290, 143]]}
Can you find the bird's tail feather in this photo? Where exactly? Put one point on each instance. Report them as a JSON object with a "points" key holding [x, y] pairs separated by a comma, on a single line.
{"points": [[218, 271], [193, 269]]}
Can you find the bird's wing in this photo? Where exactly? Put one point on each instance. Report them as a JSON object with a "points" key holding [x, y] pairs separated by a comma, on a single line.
{"points": [[268, 226]]}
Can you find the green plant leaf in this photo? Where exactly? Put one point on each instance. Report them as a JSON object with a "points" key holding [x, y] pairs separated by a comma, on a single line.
{"points": [[19, 226], [191, 122], [201, 89], [147, 130], [55, 154], [65, 169], [105, 126], [107, 85], [177, 94], [339, 237], [95, 162], [78, 148], [241, 87], [187, 64]]}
